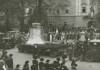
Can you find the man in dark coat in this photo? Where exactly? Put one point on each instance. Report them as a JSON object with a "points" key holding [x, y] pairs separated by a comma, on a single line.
{"points": [[34, 64], [57, 63], [63, 67], [47, 65], [73, 64], [5, 57], [58, 59], [2, 63], [4, 54], [26, 65], [17, 67], [9, 62], [41, 64], [64, 56]]}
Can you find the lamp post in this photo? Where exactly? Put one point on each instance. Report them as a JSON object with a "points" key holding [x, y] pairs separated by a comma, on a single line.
{"points": [[91, 26], [22, 16]]}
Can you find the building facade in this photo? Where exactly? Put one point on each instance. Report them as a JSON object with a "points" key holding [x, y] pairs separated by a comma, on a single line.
{"points": [[70, 11], [97, 13], [59, 12]]}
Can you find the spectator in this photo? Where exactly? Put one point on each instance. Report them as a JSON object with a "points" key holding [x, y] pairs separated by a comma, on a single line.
{"points": [[26, 65], [64, 56], [58, 63], [41, 64], [4, 54], [58, 59], [63, 67], [73, 64], [55, 67], [34, 64], [9, 62], [2, 63], [17, 67], [47, 65], [5, 57]]}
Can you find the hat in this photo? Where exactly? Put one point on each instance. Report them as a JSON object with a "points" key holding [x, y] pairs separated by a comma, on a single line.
{"points": [[26, 61], [10, 54], [47, 60], [34, 57], [17, 66], [54, 62], [58, 58], [41, 59]]}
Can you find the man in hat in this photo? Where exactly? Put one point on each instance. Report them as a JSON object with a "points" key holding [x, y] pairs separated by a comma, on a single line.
{"points": [[17, 67], [63, 67], [47, 64], [73, 64], [4, 54], [41, 64], [34, 64], [9, 62], [26, 65], [58, 60], [64, 56], [57, 63], [2, 65]]}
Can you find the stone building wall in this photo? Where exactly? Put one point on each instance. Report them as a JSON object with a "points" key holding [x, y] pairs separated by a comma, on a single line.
{"points": [[76, 21], [74, 16]]}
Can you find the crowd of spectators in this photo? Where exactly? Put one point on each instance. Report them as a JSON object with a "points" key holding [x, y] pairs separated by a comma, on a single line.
{"points": [[38, 63]]}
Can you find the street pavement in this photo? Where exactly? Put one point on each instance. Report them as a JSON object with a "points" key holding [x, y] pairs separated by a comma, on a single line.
{"points": [[20, 58]]}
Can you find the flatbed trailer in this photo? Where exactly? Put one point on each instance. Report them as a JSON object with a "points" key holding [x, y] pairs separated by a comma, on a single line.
{"points": [[49, 49]]}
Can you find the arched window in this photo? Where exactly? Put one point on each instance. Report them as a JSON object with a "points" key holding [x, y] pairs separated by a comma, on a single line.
{"points": [[66, 11], [83, 9], [84, 5], [58, 11]]}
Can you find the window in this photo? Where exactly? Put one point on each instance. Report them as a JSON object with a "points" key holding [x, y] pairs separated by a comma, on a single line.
{"points": [[49, 10], [66, 11], [58, 11], [83, 9]]}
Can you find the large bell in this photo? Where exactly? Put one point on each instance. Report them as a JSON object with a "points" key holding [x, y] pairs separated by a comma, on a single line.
{"points": [[35, 34]]}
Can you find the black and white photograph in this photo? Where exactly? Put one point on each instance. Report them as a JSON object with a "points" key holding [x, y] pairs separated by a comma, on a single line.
{"points": [[49, 34]]}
